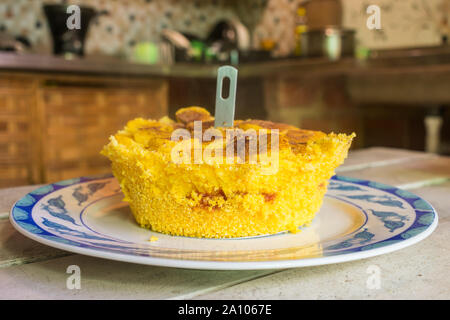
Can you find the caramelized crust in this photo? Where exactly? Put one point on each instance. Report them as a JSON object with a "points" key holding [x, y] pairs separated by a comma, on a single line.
{"points": [[221, 199], [290, 137], [191, 114]]}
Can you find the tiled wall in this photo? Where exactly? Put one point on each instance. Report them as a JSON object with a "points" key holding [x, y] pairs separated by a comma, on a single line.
{"points": [[404, 23], [129, 21], [270, 19]]}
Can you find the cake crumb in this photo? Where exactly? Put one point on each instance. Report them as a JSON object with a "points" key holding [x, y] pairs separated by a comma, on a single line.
{"points": [[153, 239]]}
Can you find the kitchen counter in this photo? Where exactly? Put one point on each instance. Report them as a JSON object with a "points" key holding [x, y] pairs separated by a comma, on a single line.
{"points": [[29, 270], [403, 77], [113, 66], [406, 62]]}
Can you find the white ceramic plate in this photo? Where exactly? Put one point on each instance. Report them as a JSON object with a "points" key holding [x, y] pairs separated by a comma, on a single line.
{"points": [[358, 219]]}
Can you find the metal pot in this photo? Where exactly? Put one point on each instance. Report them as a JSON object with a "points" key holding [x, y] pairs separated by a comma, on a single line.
{"points": [[330, 42]]}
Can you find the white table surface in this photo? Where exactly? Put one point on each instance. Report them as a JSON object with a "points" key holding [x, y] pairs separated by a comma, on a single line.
{"points": [[29, 270]]}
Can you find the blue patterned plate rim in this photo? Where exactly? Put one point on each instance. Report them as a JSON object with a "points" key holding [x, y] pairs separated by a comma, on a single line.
{"points": [[357, 245]]}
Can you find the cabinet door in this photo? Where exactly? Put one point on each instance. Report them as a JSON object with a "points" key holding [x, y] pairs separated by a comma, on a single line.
{"points": [[78, 118], [17, 102]]}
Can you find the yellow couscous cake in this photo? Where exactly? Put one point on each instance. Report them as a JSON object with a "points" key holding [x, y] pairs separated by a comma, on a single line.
{"points": [[221, 197]]}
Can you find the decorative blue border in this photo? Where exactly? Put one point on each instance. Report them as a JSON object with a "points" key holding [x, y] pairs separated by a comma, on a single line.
{"points": [[425, 215], [22, 209]]}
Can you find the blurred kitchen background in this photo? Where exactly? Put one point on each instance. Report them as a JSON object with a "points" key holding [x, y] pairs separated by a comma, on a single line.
{"points": [[314, 64]]}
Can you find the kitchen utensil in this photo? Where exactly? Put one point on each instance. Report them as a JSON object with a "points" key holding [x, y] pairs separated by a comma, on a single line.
{"points": [[224, 112], [180, 43], [69, 42], [166, 53], [331, 42], [227, 40], [232, 33], [13, 44]]}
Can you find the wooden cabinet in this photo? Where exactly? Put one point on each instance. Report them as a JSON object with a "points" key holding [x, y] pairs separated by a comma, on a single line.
{"points": [[53, 127], [17, 107]]}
